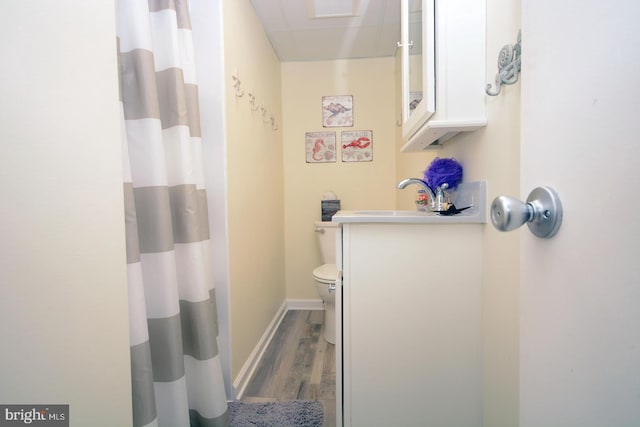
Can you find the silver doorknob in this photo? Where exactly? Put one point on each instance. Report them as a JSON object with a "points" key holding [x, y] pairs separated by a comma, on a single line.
{"points": [[542, 212]]}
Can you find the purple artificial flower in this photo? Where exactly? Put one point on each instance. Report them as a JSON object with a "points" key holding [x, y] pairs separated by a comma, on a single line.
{"points": [[442, 171]]}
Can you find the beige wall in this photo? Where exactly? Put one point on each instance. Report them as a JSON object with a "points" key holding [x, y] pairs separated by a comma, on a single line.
{"points": [[362, 185], [493, 154], [63, 310], [254, 182]]}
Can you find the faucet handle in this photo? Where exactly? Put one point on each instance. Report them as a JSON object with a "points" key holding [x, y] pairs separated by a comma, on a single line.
{"points": [[440, 199]]}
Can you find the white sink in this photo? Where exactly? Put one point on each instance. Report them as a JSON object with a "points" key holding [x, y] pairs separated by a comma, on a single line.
{"points": [[393, 213], [468, 194]]}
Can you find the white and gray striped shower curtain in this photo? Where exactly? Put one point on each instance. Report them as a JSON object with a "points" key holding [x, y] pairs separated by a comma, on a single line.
{"points": [[175, 363]]}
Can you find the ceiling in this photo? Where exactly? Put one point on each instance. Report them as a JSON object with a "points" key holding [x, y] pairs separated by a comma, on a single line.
{"points": [[372, 30]]}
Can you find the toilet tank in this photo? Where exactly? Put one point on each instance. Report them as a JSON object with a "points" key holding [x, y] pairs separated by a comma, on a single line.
{"points": [[326, 235]]}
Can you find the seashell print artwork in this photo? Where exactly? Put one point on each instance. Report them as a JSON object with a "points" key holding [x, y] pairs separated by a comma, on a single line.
{"points": [[320, 147], [337, 111]]}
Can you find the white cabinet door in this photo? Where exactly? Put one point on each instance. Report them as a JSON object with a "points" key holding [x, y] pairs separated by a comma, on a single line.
{"points": [[451, 55], [411, 331]]}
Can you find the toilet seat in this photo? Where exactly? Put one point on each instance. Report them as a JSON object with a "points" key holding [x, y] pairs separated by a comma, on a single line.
{"points": [[326, 273]]}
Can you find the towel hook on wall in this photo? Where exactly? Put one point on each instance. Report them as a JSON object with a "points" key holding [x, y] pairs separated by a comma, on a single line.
{"points": [[265, 115], [252, 101], [509, 65], [236, 85]]}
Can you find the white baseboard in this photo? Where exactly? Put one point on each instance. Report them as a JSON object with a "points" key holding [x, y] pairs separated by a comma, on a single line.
{"points": [[305, 304], [247, 371], [242, 380]]}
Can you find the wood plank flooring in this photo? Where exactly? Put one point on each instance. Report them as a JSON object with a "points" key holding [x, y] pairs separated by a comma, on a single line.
{"points": [[298, 364]]}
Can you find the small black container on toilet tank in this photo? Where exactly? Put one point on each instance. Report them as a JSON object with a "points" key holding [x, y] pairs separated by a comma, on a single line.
{"points": [[329, 208]]}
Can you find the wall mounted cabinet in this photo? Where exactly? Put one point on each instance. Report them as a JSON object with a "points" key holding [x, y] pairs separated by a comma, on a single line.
{"points": [[443, 70]]}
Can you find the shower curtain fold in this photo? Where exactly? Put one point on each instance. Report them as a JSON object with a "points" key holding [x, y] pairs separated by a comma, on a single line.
{"points": [[175, 363]]}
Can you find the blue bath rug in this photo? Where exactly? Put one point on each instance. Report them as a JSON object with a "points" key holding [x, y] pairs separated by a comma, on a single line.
{"points": [[295, 413]]}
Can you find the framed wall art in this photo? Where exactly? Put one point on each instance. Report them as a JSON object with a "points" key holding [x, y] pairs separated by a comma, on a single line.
{"points": [[320, 147], [337, 111], [357, 145]]}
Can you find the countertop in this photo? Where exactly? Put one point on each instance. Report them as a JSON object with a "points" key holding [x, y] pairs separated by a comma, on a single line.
{"points": [[471, 194]]}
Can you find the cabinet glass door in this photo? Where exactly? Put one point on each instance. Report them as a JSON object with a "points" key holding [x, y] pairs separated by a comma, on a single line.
{"points": [[418, 64], [415, 54]]}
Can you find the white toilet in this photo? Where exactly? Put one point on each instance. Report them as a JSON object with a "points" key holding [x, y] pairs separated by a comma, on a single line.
{"points": [[326, 276]]}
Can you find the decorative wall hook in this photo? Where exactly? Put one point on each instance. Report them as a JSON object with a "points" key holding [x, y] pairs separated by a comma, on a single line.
{"points": [[252, 101], [509, 65], [263, 112], [236, 86]]}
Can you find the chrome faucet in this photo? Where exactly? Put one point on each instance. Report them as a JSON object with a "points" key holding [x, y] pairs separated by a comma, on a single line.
{"points": [[436, 201]]}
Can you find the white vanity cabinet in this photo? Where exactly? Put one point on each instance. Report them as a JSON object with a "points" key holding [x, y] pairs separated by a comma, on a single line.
{"points": [[410, 325], [443, 70]]}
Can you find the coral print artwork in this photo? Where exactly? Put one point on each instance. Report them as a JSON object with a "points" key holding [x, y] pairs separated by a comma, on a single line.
{"points": [[320, 147], [357, 146], [337, 111]]}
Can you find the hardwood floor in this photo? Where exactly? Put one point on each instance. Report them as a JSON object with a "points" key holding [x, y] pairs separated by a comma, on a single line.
{"points": [[299, 364]]}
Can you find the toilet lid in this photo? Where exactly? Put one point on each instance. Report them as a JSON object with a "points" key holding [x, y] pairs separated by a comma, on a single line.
{"points": [[326, 273]]}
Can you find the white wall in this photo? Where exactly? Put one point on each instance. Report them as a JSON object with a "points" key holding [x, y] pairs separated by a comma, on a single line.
{"points": [[493, 154], [63, 311]]}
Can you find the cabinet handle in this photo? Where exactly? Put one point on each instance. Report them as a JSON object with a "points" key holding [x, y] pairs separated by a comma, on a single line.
{"points": [[409, 45]]}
